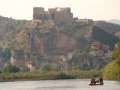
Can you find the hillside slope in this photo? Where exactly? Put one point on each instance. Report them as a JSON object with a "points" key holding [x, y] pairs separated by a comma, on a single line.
{"points": [[85, 44]]}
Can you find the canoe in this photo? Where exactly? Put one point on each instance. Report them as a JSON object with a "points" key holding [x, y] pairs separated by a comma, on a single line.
{"points": [[95, 84]]}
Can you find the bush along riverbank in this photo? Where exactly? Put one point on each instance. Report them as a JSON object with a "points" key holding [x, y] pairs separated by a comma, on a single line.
{"points": [[49, 75], [112, 71]]}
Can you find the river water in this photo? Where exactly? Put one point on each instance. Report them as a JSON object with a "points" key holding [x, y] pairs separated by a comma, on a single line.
{"points": [[79, 84]]}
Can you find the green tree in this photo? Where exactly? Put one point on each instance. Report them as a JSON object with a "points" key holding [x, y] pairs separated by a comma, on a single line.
{"points": [[10, 69], [116, 52], [112, 70], [6, 53]]}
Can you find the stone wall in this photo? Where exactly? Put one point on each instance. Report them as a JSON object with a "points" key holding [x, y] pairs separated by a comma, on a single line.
{"points": [[61, 16]]}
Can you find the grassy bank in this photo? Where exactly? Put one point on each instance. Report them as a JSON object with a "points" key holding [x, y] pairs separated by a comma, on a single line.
{"points": [[49, 75]]}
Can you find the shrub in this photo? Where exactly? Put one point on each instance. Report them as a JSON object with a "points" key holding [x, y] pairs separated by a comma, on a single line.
{"points": [[64, 76], [112, 71], [11, 69]]}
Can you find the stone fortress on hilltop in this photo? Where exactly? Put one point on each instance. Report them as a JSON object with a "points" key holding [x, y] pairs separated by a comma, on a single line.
{"points": [[60, 16]]}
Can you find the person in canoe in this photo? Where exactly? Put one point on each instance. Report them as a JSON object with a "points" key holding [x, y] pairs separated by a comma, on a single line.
{"points": [[96, 82], [92, 82], [101, 81]]}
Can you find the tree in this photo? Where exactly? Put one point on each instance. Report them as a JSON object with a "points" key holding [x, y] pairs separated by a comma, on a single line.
{"points": [[11, 69], [6, 53], [116, 52], [112, 70]]}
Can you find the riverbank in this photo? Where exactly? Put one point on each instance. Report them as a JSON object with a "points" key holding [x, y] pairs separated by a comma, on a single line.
{"points": [[49, 75]]}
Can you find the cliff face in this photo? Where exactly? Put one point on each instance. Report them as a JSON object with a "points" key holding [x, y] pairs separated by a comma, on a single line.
{"points": [[8, 25], [84, 44]]}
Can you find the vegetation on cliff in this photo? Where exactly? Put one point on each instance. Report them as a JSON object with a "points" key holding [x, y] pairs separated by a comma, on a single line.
{"points": [[49, 75], [112, 70], [43, 42]]}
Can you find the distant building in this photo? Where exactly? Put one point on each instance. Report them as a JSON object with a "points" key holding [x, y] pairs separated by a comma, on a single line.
{"points": [[61, 16]]}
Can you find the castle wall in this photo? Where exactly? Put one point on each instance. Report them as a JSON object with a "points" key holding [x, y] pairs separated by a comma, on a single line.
{"points": [[40, 13], [61, 16]]}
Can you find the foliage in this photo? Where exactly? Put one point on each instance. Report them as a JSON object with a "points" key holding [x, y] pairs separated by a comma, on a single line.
{"points": [[6, 53], [108, 27], [50, 75], [35, 38], [112, 71], [10, 69], [107, 38], [116, 53], [64, 76], [47, 67]]}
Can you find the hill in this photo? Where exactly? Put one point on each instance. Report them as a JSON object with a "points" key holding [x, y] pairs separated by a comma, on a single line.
{"points": [[56, 43], [108, 27], [114, 21]]}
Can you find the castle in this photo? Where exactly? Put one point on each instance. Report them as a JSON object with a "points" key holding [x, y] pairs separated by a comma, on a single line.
{"points": [[61, 16]]}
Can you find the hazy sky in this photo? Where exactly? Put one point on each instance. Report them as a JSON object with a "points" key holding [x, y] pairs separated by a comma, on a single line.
{"points": [[92, 9]]}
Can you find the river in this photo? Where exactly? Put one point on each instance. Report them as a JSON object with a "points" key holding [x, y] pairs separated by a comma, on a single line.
{"points": [[79, 84]]}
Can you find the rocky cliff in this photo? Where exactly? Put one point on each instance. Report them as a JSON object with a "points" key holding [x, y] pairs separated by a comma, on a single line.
{"points": [[84, 44]]}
